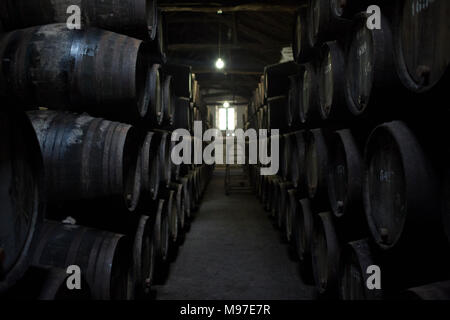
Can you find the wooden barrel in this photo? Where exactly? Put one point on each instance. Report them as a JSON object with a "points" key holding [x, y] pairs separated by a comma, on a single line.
{"points": [[140, 276], [303, 227], [308, 102], [345, 174], [266, 191], [172, 213], [316, 165], [136, 18], [187, 200], [331, 82], [161, 233], [180, 205], [357, 257], [158, 47], [293, 104], [182, 114], [275, 198], [301, 47], [102, 257], [287, 148], [400, 191], [291, 210], [325, 21], [438, 291], [276, 108], [21, 195], [271, 194], [422, 52], [168, 100], [326, 254], [47, 284], [182, 76], [371, 81], [150, 166], [155, 107], [87, 158], [283, 202], [58, 68], [276, 78], [298, 156], [165, 157]]}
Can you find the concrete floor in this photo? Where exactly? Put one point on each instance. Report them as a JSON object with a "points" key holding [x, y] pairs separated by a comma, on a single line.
{"points": [[233, 252]]}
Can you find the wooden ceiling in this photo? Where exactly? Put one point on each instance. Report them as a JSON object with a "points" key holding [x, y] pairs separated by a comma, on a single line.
{"points": [[251, 36]]}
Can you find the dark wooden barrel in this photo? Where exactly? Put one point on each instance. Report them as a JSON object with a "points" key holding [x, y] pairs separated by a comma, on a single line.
{"points": [[325, 21], [136, 18], [331, 82], [155, 108], [150, 166], [103, 257], [371, 81], [303, 226], [271, 194], [291, 211], [158, 47], [276, 112], [182, 76], [316, 165], [276, 78], [308, 101], [287, 148], [168, 100], [187, 200], [54, 287], [143, 258], [192, 194], [172, 213], [399, 208], [345, 174], [301, 47], [165, 157], [161, 233], [283, 203], [87, 158], [267, 191], [438, 291], [275, 199], [58, 68], [326, 254], [47, 284], [293, 103], [21, 194], [180, 205], [357, 257], [298, 157], [182, 114], [422, 51]]}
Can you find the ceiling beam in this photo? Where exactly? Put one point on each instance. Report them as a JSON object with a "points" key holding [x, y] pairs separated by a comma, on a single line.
{"points": [[214, 46], [252, 7], [231, 71]]}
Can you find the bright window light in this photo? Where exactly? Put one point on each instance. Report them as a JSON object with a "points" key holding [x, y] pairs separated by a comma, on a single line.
{"points": [[226, 104], [220, 64], [231, 122], [223, 119]]}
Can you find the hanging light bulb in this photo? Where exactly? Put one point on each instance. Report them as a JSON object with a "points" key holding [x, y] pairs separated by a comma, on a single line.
{"points": [[226, 104], [220, 64]]}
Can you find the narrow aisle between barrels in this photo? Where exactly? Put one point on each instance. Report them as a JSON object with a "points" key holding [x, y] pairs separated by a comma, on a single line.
{"points": [[233, 252]]}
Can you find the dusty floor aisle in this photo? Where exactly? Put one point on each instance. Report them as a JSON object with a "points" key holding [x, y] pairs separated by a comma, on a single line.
{"points": [[233, 252]]}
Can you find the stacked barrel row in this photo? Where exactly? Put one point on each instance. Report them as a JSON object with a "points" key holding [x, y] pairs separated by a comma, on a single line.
{"points": [[364, 176], [87, 179]]}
